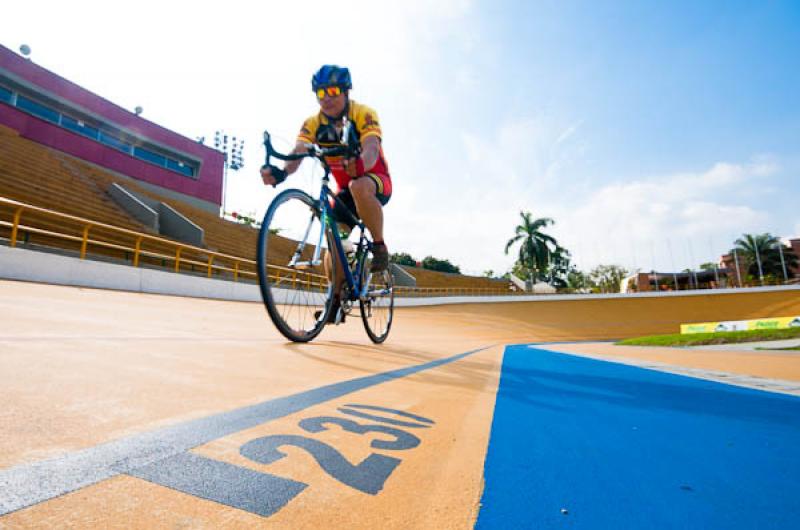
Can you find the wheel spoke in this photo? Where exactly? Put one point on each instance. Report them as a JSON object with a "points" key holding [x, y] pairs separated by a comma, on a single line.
{"points": [[377, 306], [293, 295]]}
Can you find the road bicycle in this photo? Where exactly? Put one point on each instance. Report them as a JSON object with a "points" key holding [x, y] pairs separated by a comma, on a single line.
{"points": [[298, 239]]}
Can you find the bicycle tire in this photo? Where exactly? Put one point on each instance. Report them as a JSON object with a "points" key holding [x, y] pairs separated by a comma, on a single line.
{"points": [[377, 308], [292, 304]]}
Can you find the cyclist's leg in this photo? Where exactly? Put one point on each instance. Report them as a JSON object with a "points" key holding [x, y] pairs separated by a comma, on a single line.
{"points": [[331, 259], [370, 193], [330, 256], [370, 209]]}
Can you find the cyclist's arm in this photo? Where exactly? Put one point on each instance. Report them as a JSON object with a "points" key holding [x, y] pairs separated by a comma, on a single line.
{"points": [[292, 165], [289, 167], [370, 151]]}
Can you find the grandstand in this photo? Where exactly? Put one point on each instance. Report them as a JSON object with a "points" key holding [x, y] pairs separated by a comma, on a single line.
{"points": [[36, 175], [430, 279], [62, 183]]}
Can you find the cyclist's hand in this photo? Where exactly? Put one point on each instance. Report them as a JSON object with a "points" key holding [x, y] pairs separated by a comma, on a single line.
{"points": [[266, 176], [272, 176], [350, 166]]}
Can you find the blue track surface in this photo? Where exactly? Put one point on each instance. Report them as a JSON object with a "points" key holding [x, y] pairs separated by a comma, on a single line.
{"points": [[622, 447]]}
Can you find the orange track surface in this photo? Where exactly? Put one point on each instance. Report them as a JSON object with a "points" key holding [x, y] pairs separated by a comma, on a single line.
{"points": [[82, 367]]}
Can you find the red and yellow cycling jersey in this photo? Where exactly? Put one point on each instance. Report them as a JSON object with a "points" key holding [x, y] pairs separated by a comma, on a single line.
{"points": [[321, 130]]}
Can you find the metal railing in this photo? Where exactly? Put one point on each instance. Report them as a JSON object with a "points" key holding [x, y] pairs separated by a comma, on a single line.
{"points": [[26, 219], [180, 254], [452, 291]]}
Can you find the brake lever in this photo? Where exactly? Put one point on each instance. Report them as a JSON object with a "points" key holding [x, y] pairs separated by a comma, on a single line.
{"points": [[268, 147], [276, 172], [353, 151]]}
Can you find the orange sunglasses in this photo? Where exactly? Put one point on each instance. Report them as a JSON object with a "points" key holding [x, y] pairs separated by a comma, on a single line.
{"points": [[331, 91]]}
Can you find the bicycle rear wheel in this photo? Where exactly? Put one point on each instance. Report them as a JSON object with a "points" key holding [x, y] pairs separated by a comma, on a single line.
{"points": [[297, 292], [377, 306]]}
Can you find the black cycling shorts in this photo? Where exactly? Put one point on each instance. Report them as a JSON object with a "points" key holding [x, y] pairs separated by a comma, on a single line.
{"points": [[346, 197]]}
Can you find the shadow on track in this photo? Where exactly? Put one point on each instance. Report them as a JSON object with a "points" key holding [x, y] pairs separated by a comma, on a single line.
{"points": [[463, 373]]}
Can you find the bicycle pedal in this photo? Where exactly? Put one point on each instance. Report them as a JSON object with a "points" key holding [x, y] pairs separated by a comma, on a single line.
{"points": [[340, 317]]}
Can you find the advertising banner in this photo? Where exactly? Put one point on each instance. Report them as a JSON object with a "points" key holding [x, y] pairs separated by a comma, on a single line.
{"points": [[741, 325]]}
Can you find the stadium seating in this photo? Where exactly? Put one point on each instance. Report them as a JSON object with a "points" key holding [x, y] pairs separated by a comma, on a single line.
{"points": [[38, 175], [35, 175], [442, 280]]}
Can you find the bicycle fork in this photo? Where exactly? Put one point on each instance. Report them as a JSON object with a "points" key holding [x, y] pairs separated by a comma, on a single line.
{"points": [[315, 260]]}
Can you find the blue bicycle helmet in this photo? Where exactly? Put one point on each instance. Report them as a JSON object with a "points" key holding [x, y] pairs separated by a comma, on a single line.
{"points": [[331, 75]]}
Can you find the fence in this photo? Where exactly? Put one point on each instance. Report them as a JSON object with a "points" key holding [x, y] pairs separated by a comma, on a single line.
{"points": [[22, 220], [92, 235]]}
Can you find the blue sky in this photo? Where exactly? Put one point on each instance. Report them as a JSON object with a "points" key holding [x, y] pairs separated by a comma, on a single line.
{"points": [[639, 127], [662, 86]]}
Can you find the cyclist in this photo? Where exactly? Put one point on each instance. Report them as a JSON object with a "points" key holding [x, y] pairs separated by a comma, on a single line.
{"points": [[364, 183]]}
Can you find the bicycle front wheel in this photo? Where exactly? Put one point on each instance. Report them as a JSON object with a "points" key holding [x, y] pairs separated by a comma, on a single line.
{"points": [[297, 290], [377, 303]]}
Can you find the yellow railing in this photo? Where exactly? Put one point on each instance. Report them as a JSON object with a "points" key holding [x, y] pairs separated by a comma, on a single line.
{"points": [[207, 260], [451, 291], [179, 254]]}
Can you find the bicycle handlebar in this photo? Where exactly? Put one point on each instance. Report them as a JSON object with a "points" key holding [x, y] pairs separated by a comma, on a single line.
{"points": [[314, 151]]}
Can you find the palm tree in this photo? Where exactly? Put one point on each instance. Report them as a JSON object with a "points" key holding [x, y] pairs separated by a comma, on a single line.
{"points": [[537, 248], [762, 255]]}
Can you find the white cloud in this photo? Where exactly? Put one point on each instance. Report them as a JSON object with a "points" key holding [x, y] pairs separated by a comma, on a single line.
{"points": [[467, 203], [637, 223]]}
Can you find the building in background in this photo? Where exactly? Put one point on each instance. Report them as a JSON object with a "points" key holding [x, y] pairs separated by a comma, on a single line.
{"points": [[50, 110], [675, 281]]}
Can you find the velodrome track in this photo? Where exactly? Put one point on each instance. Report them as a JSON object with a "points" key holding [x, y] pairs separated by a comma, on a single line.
{"points": [[125, 410]]}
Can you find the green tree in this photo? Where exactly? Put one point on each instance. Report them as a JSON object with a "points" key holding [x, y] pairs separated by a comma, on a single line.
{"points": [[609, 277], [441, 265], [403, 258], [536, 248], [767, 249], [709, 266], [579, 280], [520, 271], [560, 267]]}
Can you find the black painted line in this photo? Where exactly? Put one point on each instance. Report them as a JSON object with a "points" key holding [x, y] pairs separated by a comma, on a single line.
{"points": [[392, 411], [229, 484], [28, 484], [373, 417]]}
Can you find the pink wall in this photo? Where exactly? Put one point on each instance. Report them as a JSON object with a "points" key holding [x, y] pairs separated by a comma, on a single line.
{"points": [[208, 183]]}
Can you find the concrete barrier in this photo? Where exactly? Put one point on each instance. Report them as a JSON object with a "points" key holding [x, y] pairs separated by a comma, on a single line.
{"points": [[132, 204], [36, 266], [158, 215], [175, 225], [402, 277]]}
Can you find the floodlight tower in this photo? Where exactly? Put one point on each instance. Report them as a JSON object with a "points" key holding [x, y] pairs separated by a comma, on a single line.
{"points": [[232, 148]]}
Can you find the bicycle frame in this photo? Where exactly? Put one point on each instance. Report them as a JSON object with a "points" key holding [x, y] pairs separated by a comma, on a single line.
{"points": [[351, 277]]}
